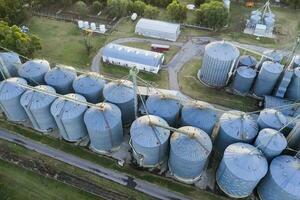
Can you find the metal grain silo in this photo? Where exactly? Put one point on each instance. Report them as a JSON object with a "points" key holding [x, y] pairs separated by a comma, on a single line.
{"points": [[271, 118], [90, 86], [296, 61], [61, 79], [68, 116], [293, 137], [240, 170], [219, 60], [34, 71], [37, 106], [104, 125], [276, 55], [149, 143], [189, 152], [243, 79], [282, 181], [121, 93], [248, 61], [255, 19], [271, 142], [165, 107], [199, 114], [10, 94], [293, 90], [269, 14], [267, 78], [235, 126], [9, 64], [269, 22]]}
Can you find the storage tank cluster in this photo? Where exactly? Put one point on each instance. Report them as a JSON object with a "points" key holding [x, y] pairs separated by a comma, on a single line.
{"points": [[257, 17]]}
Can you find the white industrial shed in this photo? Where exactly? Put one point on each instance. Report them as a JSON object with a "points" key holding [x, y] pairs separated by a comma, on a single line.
{"points": [[157, 29], [132, 57]]}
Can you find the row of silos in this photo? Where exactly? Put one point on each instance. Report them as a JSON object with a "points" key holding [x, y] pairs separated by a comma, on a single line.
{"points": [[257, 17]]}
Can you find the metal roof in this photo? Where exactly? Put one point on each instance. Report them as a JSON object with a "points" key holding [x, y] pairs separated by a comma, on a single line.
{"points": [[247, 60], [245, 161], [147, 135], [10, 88], [119, 92], [222, 50], [159, 26], [34, 70], [271, 118], [276, 55], [134, 55], [272, 67], [246, 72]]}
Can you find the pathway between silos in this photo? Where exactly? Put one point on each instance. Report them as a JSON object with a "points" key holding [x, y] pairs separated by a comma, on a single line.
{"points": [[123, 179]]}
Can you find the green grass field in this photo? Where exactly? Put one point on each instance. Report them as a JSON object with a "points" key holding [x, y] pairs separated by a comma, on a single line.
{"points": [[191, 86], [19, 184]]}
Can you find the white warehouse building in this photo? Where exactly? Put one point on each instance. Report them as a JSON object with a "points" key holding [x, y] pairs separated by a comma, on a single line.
{"points": [[157, 29], [132, 57]]}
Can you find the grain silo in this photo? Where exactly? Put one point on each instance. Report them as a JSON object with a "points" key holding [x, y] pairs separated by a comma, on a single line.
{"points": [[121, 93], [90, 86], [296, 61], [104, 126], [164, 106], [271, 142], [235, 126], [9, 64], [254, 20], [37, 106], [248, 61], [269, 22], [275, 55], [68, 116], [282, 181], [61, 79], [241, 169], [293, 90], [34, 71], [149, 143], [271, 118], [199, 114], [293, 137], [243, 79], [267, 78], [218, 62], [10, 94], [189, 152]]}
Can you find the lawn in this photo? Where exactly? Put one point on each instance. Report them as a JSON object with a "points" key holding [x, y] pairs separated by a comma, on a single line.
{"points": [[190, 85], [63, 42], [19, 184]]}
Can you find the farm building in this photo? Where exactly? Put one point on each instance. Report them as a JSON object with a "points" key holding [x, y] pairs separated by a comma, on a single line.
{"points": [[131, 57], [157, 29]]}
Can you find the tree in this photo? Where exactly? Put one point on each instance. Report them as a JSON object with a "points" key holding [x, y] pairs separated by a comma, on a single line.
{"points": [[14, 39], [81, 8], [137, 7], [151, 12], [96, 7], [159, 3], [117, 8], [294, 3], [212, 14], [177, 11], [198, 3], [12, 11]]}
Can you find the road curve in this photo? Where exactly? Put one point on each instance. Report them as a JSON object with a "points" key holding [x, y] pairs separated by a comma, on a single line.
{"points": [[123, 179]]}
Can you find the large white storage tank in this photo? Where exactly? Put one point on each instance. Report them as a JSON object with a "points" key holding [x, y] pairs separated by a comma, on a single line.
{"points": [[104, 125], [121, 93], [219, 60], [68, 116], [282, 181], [235, 126], [267, 78], [271, 118], [243, 79], [271, 142], [166, 107], [37, 106], [90, 86], [189, 152], [293, 90], [10, 94], [149, 143], [61, 79], [9, 64], [199, 114], [241, 169], [34, 71]]}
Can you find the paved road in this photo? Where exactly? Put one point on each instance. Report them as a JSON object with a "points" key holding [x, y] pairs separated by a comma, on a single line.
{"points": [[123, 179]]}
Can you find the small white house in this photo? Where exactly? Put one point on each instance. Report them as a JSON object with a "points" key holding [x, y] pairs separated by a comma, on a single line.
{"points": [[132, 57], [157, 29]]}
